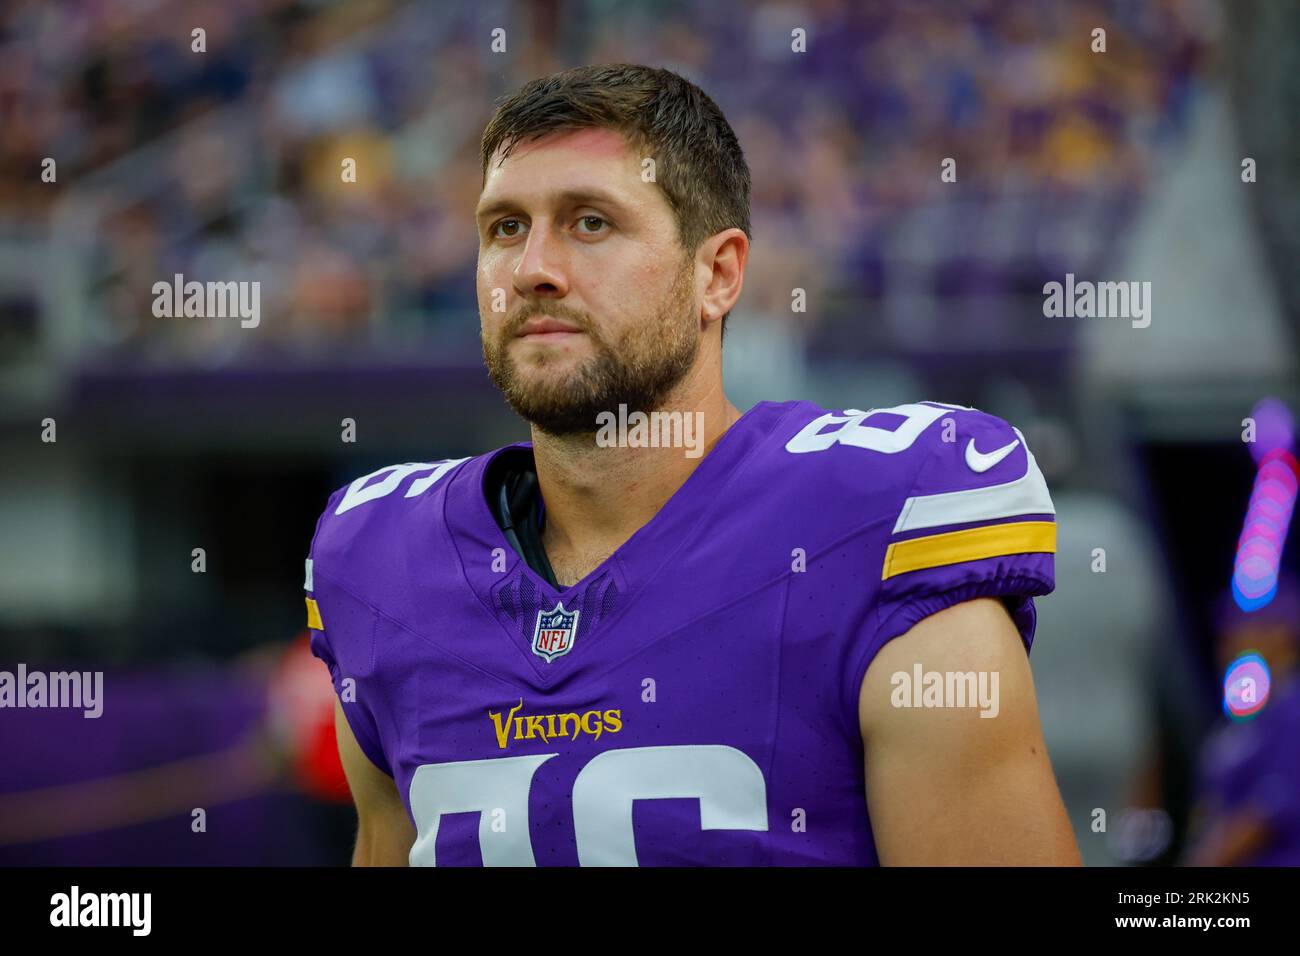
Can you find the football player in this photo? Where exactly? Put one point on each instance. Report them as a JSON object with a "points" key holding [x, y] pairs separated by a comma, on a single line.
{"points": [[664, 632]]}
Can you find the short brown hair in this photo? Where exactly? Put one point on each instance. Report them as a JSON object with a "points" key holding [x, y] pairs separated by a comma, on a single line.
{"points": [[699, 164]]}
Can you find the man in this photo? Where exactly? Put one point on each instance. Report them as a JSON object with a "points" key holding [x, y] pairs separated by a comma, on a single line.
{"points": [[697, 637]]}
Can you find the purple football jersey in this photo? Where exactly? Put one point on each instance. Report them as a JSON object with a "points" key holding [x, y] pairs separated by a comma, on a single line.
{"points": [[694, 699]]}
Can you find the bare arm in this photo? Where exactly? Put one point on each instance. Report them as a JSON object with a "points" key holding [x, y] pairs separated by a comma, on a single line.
{"points": [[946, 786], [384, 832]]}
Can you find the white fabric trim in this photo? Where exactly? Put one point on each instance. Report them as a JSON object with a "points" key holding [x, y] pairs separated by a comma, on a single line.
{"points": [[1025, 496]]}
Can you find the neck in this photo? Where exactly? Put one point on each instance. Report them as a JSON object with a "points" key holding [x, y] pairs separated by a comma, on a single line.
{"points": [[598, 497]]}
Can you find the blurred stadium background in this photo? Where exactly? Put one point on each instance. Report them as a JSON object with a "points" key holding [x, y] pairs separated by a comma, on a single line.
{"points": [[176, 434]]}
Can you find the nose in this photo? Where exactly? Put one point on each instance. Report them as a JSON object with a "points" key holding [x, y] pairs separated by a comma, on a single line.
{"points": [[541, 270]]}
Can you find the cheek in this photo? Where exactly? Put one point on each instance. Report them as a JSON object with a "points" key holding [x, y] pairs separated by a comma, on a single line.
{"points": [[493, 290], [641, 283]]}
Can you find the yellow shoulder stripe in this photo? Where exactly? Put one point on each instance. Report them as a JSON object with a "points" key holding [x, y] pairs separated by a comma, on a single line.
{"points": [[313, 616], [972, 544]]}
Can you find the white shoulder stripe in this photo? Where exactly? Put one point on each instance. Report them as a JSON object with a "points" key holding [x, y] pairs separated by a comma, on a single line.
{"points": [[1027, 495], [306, 585]]}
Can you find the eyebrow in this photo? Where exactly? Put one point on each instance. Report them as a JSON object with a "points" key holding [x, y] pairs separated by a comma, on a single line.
{"points": [[567, 197]]}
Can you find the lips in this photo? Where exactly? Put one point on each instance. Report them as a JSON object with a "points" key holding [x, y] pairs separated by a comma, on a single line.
{"points": [[544, 325]]}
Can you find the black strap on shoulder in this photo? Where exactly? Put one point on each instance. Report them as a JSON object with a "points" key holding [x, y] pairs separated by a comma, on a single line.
{"points": [[513, 498]]}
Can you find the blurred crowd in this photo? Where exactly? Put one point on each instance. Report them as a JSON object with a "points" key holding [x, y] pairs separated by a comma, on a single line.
{"points": [[226, 164]]}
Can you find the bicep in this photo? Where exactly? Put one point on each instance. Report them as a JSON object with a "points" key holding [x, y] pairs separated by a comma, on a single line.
{"points": [[384, 831], [946, 785]]}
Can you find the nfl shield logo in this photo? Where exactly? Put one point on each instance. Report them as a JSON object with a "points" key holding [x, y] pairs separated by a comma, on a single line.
{"points": [[555, 632]]}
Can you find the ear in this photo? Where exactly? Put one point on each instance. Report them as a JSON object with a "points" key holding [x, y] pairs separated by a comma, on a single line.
{"points": [[721, 259]]}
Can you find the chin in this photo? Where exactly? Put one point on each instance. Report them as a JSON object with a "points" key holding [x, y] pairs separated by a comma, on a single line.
{"points": [[551, 349], [553, 378], [540, 366]]}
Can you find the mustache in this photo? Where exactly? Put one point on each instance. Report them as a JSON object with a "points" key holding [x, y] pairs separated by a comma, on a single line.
{"points": [[554, 311]]}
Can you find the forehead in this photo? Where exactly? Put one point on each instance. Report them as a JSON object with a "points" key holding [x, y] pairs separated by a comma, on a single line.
{"points": [[564, 160]]}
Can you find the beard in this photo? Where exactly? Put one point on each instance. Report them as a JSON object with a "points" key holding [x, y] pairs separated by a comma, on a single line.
{"points": [[638, 370]]}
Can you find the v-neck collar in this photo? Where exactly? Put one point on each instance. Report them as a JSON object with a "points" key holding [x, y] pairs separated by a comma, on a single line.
{"points": [[635, 562]]}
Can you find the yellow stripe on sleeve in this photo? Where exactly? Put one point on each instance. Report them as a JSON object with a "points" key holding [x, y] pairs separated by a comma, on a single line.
{"points": [[972, 544], [313, 616]]}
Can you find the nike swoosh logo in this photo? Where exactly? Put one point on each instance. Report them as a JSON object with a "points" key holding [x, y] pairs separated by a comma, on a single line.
{"points": [[978, 461]]}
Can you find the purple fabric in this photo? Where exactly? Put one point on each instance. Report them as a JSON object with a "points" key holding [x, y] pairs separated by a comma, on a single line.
{"points": [[735, 668]]}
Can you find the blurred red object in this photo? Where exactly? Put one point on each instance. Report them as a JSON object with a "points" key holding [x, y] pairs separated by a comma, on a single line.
{"points": [[301, 713]]}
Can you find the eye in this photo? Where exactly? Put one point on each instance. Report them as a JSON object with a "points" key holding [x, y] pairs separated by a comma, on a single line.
{"points": [[507, 229], [591, 225]]}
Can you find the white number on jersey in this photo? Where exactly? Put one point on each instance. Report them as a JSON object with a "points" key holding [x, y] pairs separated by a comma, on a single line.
{"points": [[917, 418], [359, 492], [728, 784]]}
